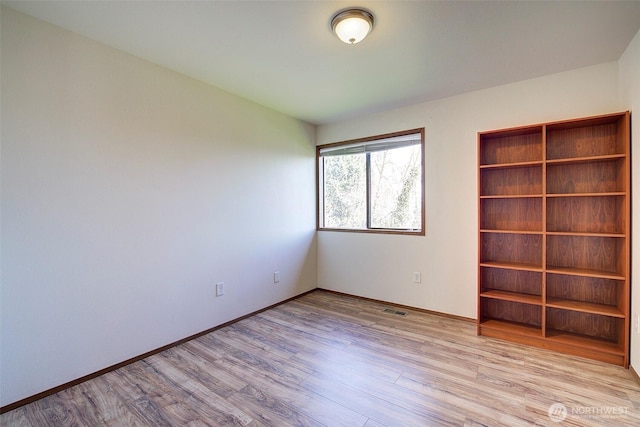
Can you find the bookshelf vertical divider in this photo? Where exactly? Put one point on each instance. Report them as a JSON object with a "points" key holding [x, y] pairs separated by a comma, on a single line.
{"points": [[554, 236], [544, 230]]}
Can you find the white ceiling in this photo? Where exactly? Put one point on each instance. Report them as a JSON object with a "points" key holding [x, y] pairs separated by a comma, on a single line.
{"points": [[282, 54]]}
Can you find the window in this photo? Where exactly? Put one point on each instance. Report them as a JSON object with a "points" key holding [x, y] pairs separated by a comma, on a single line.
{"points": [[373, 184]]}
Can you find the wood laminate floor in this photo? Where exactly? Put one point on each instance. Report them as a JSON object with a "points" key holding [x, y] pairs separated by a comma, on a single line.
{"points": [[333, 360]]}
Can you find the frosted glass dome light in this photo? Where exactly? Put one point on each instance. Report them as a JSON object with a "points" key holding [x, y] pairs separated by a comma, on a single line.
{"points": [[352, 25]]}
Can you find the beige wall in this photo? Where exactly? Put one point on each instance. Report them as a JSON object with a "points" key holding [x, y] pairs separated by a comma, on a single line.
{"points": [[128, 191], [381, 266]]}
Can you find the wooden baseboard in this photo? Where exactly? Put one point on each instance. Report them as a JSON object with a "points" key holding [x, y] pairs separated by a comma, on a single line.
{"points": [[635, 374], [54, 390], [405, 307]]}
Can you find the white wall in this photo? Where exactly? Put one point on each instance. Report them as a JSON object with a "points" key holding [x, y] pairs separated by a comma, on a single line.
{"points": [[629, 67], [127, 191], [381, 266]]}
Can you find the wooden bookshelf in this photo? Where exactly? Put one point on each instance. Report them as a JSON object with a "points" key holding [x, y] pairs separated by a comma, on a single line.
{"points": [[554, 236]]}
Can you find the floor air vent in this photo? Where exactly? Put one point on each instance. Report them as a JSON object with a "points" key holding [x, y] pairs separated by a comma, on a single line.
{"points": [[396, 312]]}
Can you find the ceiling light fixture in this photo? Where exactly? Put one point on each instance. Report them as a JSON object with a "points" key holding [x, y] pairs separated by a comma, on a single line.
{"points": [[352, 25]]}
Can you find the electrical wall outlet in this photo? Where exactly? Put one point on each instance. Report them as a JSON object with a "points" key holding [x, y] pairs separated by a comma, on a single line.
{"points": [[219, 289], [276, 277], [417, 277], [636, 326]]}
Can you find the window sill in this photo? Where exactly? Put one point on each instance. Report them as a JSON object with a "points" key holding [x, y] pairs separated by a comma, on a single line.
{"points": [[375, 231]]}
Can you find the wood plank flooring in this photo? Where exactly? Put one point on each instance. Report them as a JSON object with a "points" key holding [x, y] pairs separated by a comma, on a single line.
{"points": [[332, 360]]}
